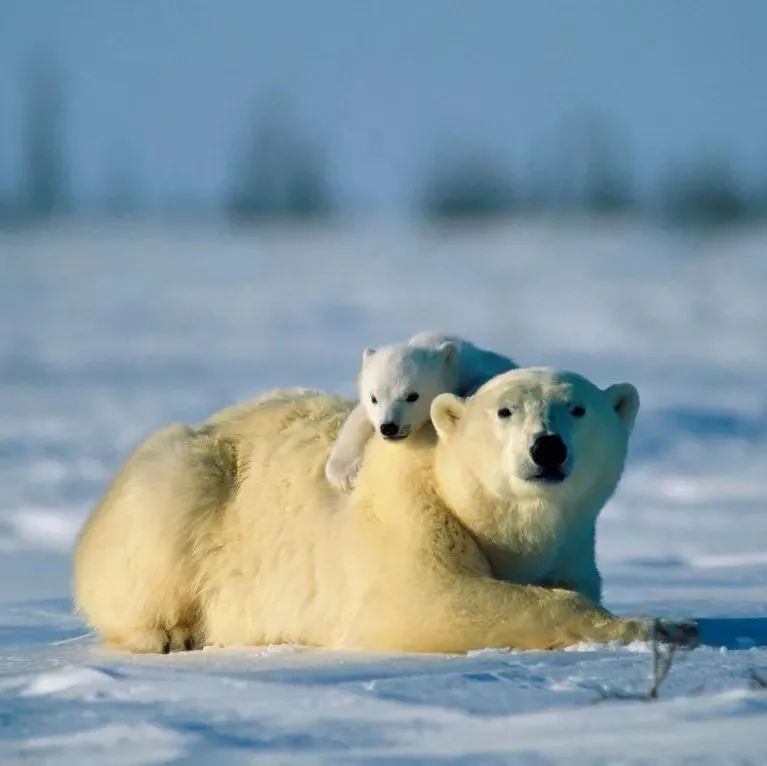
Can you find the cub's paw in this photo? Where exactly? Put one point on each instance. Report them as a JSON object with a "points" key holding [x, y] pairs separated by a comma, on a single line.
{"points": [[342, 475]]}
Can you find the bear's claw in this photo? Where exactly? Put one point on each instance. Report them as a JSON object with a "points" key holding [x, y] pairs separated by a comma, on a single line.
{"points": [[684, 633]]}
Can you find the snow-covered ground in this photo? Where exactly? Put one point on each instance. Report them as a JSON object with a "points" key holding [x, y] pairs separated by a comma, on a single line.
{"points": [[108, 333]]}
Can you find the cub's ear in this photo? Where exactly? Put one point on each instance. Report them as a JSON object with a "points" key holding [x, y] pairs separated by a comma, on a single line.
{"points": [[449, 352], [446, 411], [366, 354], [625, 401]]}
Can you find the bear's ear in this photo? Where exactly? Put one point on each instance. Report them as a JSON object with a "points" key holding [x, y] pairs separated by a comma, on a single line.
{"points": [[449, 352], [446, 411], [625, 401], [366, 354]]}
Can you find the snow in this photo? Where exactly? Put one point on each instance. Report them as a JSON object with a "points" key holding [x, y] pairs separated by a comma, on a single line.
{"points": [[61, 680], [108, 333]]}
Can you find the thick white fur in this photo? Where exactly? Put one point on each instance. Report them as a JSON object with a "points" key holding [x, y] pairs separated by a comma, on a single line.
{"points": [[429, 364], [229, 534]]}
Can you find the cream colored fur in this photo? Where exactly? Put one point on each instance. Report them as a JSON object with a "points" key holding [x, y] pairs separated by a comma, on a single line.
{"points": [[427, 365], [229, 534]]}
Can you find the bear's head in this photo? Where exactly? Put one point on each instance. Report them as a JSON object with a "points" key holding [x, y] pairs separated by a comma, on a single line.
{"points": [[397, 385], [537, 437]]}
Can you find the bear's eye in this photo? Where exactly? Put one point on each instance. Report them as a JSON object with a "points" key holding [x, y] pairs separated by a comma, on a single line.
{"points": [[578, 411], [373, 399], [413, 397], [504, 412]]}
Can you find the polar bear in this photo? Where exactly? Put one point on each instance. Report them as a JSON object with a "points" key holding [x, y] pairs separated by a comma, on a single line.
{"points": [[397, 385], [476, 532]]}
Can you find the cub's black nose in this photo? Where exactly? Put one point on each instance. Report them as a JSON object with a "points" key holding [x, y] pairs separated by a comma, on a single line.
{"points": [[548, 451], [389, 429]]}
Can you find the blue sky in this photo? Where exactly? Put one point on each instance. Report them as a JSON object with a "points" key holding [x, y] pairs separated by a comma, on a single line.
{"points": [[166, 87]]}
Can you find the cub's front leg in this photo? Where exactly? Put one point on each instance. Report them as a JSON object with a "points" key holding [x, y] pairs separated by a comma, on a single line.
{"points": [[345, 459]]}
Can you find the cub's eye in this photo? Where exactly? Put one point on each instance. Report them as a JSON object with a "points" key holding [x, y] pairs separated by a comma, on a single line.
{"points": [[578, 411], [504, 412], [412, 397], [373, 399]]}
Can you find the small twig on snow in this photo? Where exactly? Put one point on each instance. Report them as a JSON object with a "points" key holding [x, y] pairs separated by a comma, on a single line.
{"points": [[663, 652], [662, 660]]}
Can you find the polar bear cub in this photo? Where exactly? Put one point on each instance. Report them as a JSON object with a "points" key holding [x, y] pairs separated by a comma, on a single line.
{"points": [[397, 384]]}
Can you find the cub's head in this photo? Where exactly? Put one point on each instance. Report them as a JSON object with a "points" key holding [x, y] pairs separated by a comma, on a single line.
{"points": [[397, 385], [535, 433]]}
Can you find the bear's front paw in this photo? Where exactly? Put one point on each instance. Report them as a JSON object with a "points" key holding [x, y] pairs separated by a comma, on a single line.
{"points": [[678, 632], [342, 475], [683, 633]]}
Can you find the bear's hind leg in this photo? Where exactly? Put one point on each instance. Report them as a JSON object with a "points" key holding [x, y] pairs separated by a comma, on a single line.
{"points": [[142, 640], [148, 640], [184, 639]]}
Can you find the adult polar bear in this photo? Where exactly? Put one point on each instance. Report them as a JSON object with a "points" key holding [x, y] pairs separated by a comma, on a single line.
{"points": [[229, 534]]}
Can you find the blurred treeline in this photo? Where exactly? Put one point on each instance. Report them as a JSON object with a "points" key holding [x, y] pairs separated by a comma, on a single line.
{"points": [[279, 171]]}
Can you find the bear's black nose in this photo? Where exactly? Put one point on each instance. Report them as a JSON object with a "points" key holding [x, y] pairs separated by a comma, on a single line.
{"points": [[548, 451], [389, 429]]}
